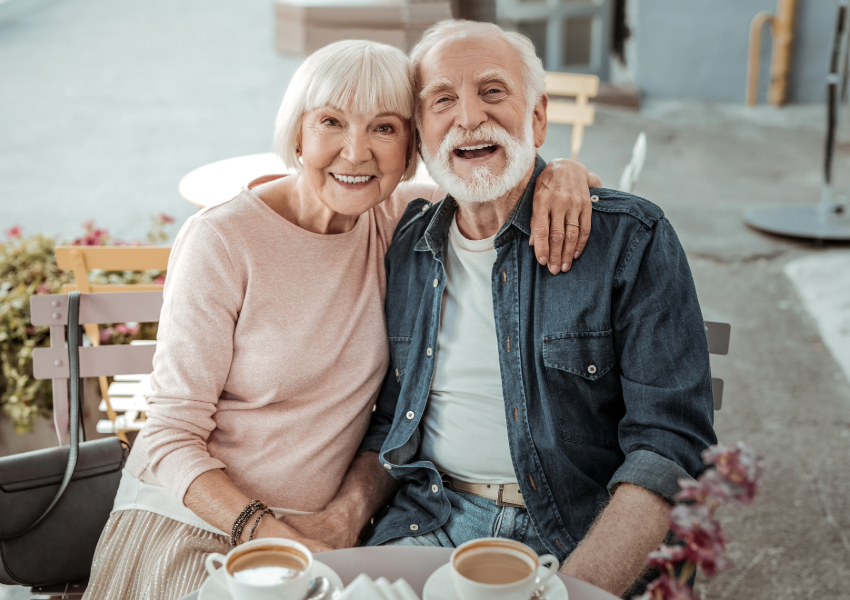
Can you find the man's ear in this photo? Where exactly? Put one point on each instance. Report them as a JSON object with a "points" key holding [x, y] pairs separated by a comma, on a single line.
{"points": [[539, 121]]}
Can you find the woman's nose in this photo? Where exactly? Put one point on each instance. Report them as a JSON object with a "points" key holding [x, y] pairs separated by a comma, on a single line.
{"points": [[356, 149]]}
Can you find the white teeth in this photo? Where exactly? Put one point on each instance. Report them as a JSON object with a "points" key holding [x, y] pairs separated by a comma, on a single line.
{"points": [[478, 147], [352, 179]]}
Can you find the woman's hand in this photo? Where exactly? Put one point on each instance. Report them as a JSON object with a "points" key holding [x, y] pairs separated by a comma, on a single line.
{"points": [[270, 527], [560, 223], [327, 528]]}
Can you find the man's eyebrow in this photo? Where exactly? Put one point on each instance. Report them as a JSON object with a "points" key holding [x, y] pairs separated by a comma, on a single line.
{"points": [[495, 76], [438, 85]]}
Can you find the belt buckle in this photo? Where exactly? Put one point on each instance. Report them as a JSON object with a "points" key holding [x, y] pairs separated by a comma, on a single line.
{"points": [[500, 502]]}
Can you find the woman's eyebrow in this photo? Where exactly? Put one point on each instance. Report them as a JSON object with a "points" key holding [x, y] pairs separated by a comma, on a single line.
{"points": [[495, 76], [438, 85]]}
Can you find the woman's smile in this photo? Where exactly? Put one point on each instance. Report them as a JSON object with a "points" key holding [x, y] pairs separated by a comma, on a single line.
{"points": [[353, 182]]}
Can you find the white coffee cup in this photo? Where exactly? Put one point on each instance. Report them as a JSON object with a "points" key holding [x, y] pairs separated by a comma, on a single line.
{"points": [[259, 587], [499, 569]]}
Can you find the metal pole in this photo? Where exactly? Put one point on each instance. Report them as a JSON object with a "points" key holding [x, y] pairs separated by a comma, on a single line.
{"points": [[833, 80]]}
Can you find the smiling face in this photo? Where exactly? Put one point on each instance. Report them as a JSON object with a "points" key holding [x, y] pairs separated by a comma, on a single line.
{"points": [[479, 131], [352, 162]]}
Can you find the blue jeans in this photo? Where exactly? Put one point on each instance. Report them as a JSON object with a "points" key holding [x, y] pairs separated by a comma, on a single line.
{"points": [[475, 517]]}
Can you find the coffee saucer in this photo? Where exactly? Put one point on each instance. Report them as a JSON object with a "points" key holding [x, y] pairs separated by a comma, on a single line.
{"points": [[215, 588], [440, 587]]}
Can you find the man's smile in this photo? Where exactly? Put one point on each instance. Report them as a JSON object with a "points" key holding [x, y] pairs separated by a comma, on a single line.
{"points": [[475, 151]]}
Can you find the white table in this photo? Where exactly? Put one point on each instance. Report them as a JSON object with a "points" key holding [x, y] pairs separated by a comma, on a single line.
{"points": [[415, 565]]}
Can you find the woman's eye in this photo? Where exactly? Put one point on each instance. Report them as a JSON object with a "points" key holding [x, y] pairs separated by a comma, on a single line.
{"points": [[330, 121], [385, 128]]}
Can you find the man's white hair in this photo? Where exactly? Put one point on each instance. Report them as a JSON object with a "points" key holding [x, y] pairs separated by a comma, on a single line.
{"points": [[359, 76], [534, 77]]}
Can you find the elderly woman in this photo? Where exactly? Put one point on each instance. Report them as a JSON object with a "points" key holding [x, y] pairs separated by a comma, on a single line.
{"points": [[272, 344]]}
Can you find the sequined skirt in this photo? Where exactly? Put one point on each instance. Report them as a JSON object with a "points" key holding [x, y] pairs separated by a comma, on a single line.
{"points": [[145, 556]]}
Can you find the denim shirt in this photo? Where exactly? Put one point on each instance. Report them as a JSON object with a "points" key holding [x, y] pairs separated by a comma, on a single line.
{"points": [[605, 368]]}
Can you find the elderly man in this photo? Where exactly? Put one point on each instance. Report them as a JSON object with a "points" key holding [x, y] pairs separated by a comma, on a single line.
{"points": [[557, 410]]}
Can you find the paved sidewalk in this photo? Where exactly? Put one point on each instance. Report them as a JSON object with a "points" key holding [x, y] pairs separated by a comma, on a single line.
{"points": [[106, 105]]}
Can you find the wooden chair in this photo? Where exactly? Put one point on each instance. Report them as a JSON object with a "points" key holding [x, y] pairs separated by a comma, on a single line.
{"points": [[82, 259], [718, 343], [579, 113]]}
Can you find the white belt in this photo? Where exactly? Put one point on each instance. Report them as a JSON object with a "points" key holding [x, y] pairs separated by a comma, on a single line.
{"points": [[505, 494]]}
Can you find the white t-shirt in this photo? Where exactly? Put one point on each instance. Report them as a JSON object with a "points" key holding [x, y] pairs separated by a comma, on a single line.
{"points": [[465, 432]]}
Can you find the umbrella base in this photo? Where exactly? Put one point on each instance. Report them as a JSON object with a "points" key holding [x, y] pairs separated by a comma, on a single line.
{"points": [[808, 222]]}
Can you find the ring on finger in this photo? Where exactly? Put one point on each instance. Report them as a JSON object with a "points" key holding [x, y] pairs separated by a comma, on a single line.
{"points": [[574, 225]]}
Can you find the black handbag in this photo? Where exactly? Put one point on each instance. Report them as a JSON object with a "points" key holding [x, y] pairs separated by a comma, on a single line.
{"points": [[55, 502]]}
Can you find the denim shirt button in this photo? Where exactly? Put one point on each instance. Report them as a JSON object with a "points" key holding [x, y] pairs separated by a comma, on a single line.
{"points": [[388, 466], [429, 352], [414, 527], [436, 282], [591, 369], [435, 488], [410, 414], [594, 198]]}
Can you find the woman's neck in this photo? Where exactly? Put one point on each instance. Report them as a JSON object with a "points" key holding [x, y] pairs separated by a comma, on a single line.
{"points": [[291, 198]]}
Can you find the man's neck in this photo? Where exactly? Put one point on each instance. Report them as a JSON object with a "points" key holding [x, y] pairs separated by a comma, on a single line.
{"points": [[481, 220]]}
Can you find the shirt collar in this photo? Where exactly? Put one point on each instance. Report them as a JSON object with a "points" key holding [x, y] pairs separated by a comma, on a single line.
{"points": [[435, 235]]}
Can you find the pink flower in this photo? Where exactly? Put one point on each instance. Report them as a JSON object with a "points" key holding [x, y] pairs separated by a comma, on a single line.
{"points": [[160, 280], [42, 289], [704, 540], [127, 329], [666, 555], [741, 466], [14, 232], [106, 335], [667, 588], [166, 218]]}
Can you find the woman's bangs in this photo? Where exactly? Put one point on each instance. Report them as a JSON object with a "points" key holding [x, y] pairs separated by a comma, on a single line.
{"points": [[365, 88]]}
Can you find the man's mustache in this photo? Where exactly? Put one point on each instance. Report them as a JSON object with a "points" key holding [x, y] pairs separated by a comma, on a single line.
{"points": [[486, 133]]}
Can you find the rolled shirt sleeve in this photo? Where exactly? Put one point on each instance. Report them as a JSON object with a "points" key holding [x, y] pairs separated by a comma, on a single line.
{"points": [[660, 338], [201, 304]]}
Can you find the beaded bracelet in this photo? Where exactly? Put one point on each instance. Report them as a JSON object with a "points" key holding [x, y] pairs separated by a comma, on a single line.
{"points": [[242, 519], [264, 512]]}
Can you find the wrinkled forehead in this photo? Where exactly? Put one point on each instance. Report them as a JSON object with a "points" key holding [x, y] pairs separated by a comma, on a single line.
{"points": [[461, 57]]}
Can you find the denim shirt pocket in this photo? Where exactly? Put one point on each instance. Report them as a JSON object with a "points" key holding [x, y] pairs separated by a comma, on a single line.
{"points": [[399, 349], [583, 398], [589, 355]]}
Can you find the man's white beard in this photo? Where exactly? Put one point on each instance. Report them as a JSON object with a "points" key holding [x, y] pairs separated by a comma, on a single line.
{"points": [[481, 185]]}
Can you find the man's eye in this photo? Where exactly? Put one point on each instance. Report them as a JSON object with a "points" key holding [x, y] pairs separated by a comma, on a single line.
{"points": [[444, 99], [494, 91]]}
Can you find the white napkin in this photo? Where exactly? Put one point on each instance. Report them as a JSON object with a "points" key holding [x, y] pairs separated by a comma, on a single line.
{"points": [[363, 588]]}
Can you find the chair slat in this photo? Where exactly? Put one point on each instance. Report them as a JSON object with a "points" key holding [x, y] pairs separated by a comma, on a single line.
{"points": [[718, 337], [95, 361], [571, 84], [115, 258], [119, 307], [717, 392], [560, 111], [96, 288]]}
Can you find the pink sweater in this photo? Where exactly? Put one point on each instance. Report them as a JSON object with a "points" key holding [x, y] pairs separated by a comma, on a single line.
{"points": [[271, 351]]}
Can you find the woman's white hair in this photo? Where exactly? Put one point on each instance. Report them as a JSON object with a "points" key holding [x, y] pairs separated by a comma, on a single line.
{"points": [[534, 77], [360, 76]]}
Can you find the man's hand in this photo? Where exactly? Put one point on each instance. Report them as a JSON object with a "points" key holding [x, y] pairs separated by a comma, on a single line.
{"points": [[560, 224], [273, 528], [613, 554], [367, 488]]}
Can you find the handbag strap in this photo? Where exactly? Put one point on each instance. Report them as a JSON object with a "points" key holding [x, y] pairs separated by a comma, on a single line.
{"points": [[74, 384]]}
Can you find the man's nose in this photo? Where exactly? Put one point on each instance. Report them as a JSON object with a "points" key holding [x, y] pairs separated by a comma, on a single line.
{"points": [[356, 149], [472, 112]]}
